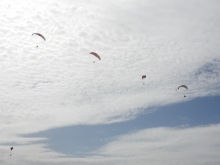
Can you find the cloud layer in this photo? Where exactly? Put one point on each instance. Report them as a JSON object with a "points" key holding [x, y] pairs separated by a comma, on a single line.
{"points": [[198, 145]]}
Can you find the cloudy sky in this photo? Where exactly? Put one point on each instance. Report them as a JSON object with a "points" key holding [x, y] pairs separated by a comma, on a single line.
{"points": [[61, 105]]}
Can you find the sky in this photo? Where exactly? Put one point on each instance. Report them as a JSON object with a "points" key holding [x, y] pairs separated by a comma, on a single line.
{"points": [[62, 105]]}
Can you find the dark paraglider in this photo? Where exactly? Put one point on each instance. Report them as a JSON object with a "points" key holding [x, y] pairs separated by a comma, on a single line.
{"points": [[143, 77], [11, 150], [183, 86], [39, 35]]}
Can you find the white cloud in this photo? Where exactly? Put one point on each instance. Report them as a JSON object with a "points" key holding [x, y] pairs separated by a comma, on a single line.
{"points": [[199, 145], [57, 83]]}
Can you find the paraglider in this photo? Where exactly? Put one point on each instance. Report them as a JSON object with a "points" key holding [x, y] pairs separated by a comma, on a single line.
{"points": [[143, 77], [39, 35], [95, 54], [183, 86], [11, 149]]}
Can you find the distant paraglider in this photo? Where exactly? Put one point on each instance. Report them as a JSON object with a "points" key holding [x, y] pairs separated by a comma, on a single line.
{"points": [[96, 55], [143, 77], [40, 36], [183, 86], [11, 149]]}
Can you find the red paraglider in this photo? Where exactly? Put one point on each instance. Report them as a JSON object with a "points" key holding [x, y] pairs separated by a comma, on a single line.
{"points": [[95, 54]]}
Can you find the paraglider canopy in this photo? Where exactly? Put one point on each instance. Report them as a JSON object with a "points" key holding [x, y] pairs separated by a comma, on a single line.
{"points": [[95, 54], [184, 86], [39, 35], [144, 76]]}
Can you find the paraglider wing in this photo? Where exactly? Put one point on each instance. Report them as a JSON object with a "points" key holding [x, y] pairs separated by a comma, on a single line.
{"points": [[144, 76], [184, 86], [95, 54], [39, 35]]}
